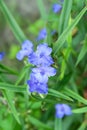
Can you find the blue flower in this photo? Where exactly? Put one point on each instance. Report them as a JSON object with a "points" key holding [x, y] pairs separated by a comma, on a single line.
{"points": [[42, 34], [56, 8], [42, 60], [26, 50], [41, 56], [62, 110], [2, 54], [35, 85]]}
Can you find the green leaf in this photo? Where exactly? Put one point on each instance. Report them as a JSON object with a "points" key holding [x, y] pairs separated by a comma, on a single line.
{"points": [[59, 43], [9, 70], [58, 94], [13, 51], [82, 52], [22, 74], [13, 24], [80, 110], [65, 14], [35, 105], [38, 123], [42, 9], [74, 95], [83, 126], [11, 87], [8, 96], [64, 64], [58, 124]]}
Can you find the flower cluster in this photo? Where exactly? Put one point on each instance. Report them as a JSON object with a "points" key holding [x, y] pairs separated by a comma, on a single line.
{"points": [[62, 110], [2, 54], [42, 61]]}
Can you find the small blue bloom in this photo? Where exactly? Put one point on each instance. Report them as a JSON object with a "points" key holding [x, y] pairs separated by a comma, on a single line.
{"points": [[56, 8], [2, 54], [42, 34], [26, 50], [41, 56], [35, 85], [62, 110]]}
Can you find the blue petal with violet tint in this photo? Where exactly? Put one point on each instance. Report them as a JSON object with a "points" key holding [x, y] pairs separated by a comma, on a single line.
{"points": [[41, 56], [36, 86], [26, 50], [44, 70], [27, 45], [42, 34], [56, 8], [38, 61], [2, 54], [21, 54], [43, 49], [62, 109], [67, 109]]}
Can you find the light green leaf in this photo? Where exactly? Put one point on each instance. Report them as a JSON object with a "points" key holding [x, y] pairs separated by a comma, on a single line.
{"points": [[58, 124], [38, 123], [9, 70], [83, 126], [58, 94], [11, 87], [80, 110], [13, 24], [82, 52], [22, 74], [42, 9], [64, 64], [59, 43], [74, 95], [65, 14], [8, 96]]}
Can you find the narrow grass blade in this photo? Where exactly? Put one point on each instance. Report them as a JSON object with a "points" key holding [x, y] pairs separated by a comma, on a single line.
{"points": [[59, 43], [11, 71], [13, 24], [42, 9], [74, 95], [80, 110], [65, 14], [23, 74], [82, 52], [38, 123], [11, 87], [83, 126], [58, 94], [58, 124], [8, 96]]}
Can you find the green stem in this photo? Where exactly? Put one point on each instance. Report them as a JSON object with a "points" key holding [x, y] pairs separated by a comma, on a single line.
{"points": [[58, 124]]}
